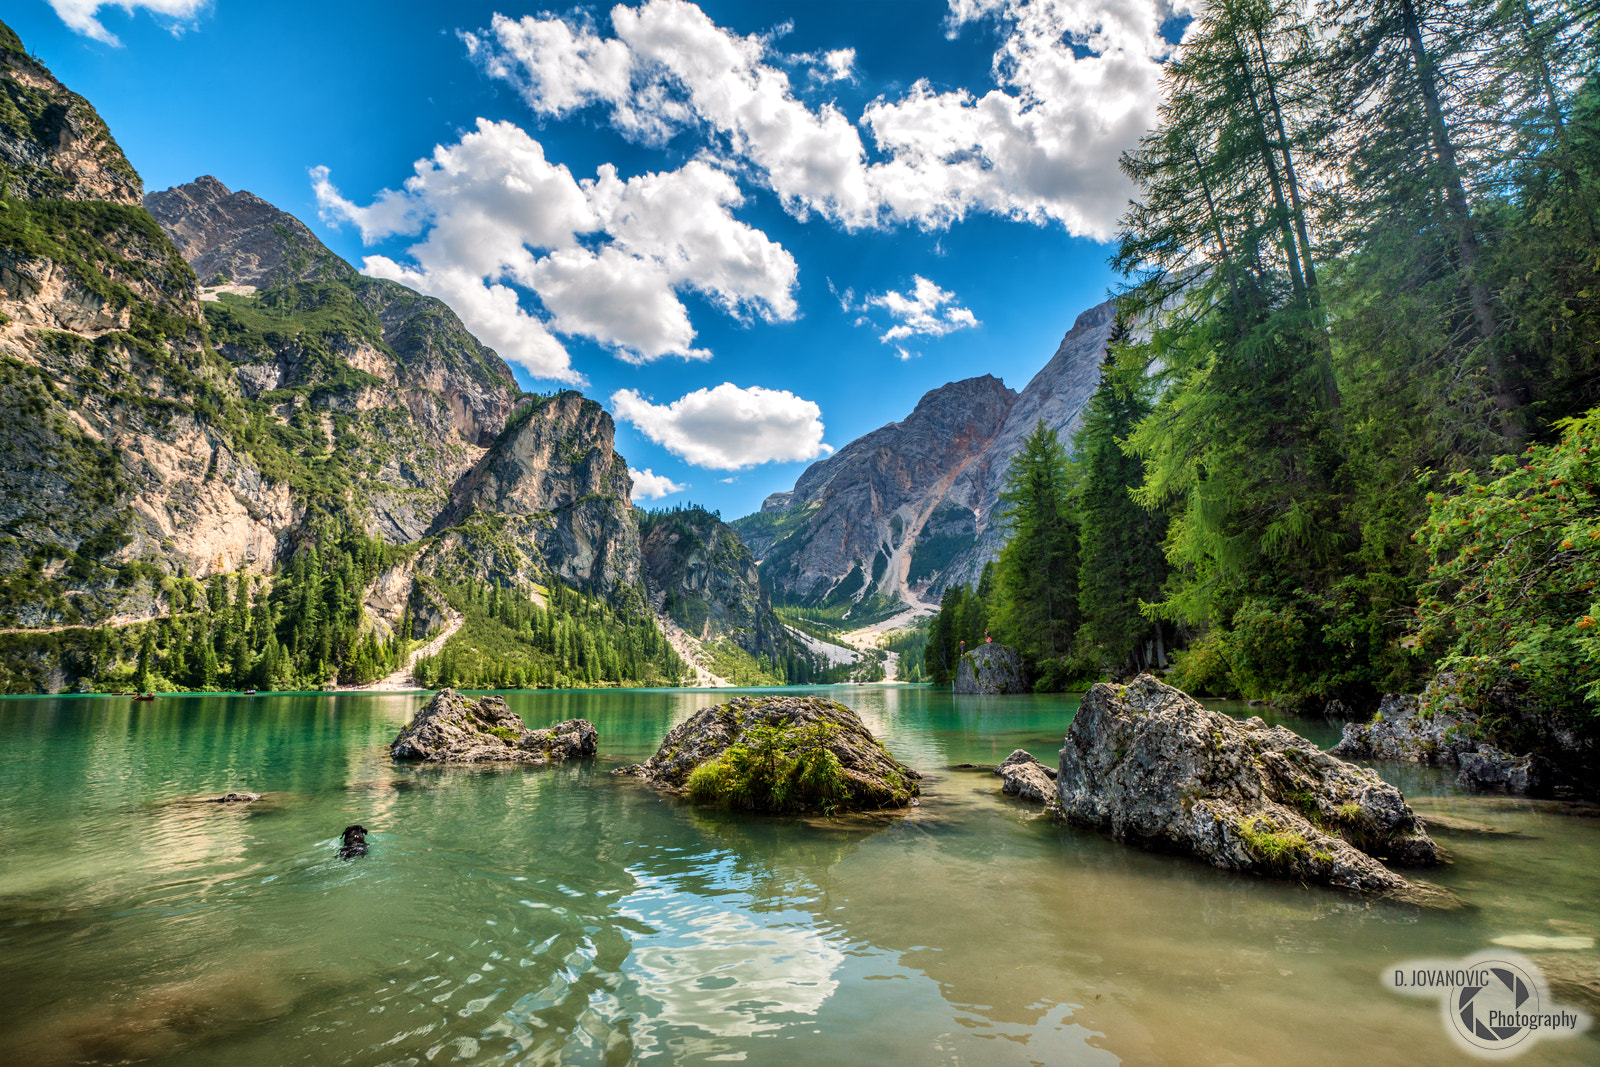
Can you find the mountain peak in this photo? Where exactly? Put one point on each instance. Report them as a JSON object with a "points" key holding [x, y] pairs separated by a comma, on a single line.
{"points": [[240, 237]]}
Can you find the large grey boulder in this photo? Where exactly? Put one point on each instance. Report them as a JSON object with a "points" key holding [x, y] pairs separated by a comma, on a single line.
{"points": [[991, 669], [1026, 778], [1488, 770], [452, 728], [1147, 764], [872, 778]]}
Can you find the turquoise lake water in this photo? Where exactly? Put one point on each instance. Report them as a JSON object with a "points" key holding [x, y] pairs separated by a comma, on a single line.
{"points": [[567, 916]]}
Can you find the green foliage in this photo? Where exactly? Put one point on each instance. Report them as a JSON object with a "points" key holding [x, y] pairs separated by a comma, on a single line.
{"points": [[1035, 602], [774, 769], [845, 592], [933, 553], [1283, 852], [1202, 669], [1514, 567], [106, 246], [911, 644], [1318, 353], [962, 622], [774, 525], [1120, 562]]}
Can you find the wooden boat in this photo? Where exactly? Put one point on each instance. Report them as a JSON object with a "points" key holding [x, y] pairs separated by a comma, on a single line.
{"points": [[145, 696]]}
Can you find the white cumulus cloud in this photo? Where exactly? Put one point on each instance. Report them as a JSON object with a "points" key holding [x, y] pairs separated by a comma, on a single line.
{"points": [[607, 256], [926, 311], [728, 427], [1076, 82], [81, 16], [648, 485]]}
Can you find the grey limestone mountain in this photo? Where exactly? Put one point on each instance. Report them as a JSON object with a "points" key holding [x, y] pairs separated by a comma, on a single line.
{"points": [[856, 519], [304, 331], [237, 238], [549, 495], [161, 429], [910, 508]]}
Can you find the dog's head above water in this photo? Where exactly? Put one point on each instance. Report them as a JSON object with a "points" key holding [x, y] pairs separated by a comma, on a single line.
{"points": [[355, 842]]}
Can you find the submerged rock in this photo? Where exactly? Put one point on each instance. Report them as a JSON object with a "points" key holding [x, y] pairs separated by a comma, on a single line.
{"points": [[1148, 765], [452, 728], [1488, 770], [234, 798], [991, 669], [1027, 778], [870, 777]]}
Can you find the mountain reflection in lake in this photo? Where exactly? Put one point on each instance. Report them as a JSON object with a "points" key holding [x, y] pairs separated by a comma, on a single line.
{"points": [[562, 915]]}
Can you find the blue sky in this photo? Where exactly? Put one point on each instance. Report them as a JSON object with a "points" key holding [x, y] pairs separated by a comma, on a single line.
{"points": [[754, 231]]}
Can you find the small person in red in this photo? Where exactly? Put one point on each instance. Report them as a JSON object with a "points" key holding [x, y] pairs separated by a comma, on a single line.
{"points": [[987, 639]]}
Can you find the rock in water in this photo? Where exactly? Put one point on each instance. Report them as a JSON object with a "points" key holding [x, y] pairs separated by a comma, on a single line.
{"points": [[451, 728], [1025, 777], [234, 798], [872, 778], [1147, 764], [991, 669], [1435, 729], [1400, 732], [1489, 770]]}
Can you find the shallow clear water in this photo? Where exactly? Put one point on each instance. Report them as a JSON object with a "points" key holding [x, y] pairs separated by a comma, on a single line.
{"points": [[564, 915]]}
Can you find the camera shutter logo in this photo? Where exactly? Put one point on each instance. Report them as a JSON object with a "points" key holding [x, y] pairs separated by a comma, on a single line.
{"points": [[1486, 1015]]}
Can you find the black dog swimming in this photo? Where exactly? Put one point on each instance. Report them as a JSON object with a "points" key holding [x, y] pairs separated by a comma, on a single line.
{"points": [[355, 842]]}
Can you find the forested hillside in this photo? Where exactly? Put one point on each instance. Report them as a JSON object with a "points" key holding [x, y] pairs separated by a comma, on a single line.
{"points": [[1342, 441]]}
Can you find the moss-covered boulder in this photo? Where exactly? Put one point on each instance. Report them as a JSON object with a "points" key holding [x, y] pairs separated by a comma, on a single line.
{"points": [[779, 754], [452, 728], [1145, 763]]}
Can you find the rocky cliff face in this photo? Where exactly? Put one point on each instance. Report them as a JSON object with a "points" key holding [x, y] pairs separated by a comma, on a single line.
{"points": [[53, 145], [855, 521], [909, 508], [701, 575], [411, 395], [1057, 395], [123, 461], [550, 495]]}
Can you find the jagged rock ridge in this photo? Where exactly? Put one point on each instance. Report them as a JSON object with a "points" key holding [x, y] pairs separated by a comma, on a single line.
{"points": [[909, 508]]}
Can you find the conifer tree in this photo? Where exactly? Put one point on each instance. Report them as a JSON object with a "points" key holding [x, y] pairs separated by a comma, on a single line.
{"points": [[1120, 563], [1036, 578]]}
